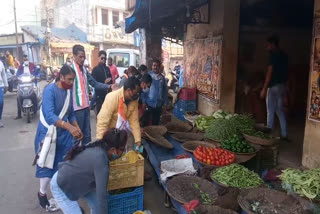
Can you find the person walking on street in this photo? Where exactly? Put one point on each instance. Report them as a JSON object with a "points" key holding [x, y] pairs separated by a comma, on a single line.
{"points": [[101, 73], [274, 88], [121, 108], [157, 97], [57, 130], [80, 92], [3, 89], [113, 70], [85, 174]]}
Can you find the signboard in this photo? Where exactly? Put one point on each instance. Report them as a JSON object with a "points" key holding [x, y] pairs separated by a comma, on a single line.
{"points": [[203, 66], [11, 39], [314, 103]]}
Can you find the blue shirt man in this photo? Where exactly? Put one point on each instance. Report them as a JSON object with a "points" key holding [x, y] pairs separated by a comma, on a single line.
{"points": [[157, 96]]}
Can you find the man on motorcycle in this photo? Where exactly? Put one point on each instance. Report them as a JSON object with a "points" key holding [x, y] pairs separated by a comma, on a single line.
{"points": [[27, 68]]}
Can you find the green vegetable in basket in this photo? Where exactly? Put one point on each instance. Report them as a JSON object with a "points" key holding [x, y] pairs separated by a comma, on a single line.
{"points": [[305, 183], [259, 134], [237, 144], [236, 176], [203, 122], [222, 129], [205, 198]]}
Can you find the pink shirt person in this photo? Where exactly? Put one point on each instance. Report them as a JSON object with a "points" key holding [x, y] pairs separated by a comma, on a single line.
{"points": [[113, 70]]}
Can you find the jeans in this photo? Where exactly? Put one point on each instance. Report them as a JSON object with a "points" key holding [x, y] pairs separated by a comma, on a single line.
{"points": [[1, 101], [83, 119], [72, 207], [154, 114], [275, 100]]}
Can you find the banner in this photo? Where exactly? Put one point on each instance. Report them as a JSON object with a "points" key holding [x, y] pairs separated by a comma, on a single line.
{"points": [[202, 65]]}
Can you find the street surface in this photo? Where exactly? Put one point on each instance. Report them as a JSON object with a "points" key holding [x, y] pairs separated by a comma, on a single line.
{"points": [[18, 185]]}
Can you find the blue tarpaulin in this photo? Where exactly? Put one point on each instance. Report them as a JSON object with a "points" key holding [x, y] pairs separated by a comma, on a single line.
{"points": [[157, 154]]}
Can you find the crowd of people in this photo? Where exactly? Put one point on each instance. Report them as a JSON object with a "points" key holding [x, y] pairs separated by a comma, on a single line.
{"points": [[63, 139]]}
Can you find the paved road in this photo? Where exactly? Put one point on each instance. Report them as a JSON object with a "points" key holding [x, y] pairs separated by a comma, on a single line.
{"points": [[18, 185]]}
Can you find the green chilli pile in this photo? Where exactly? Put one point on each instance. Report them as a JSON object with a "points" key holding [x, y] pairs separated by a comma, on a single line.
{"points": [[236, 176], [305, 183]]}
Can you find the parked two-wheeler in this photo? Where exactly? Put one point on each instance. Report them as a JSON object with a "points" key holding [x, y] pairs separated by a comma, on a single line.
{"points": [[28, 89]]}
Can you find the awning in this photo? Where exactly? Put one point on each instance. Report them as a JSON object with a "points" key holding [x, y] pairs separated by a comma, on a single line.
{"points": [[143, 15]]}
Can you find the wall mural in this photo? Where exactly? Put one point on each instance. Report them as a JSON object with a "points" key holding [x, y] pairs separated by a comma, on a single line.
{"points": [[314, 103], [202, 65]]}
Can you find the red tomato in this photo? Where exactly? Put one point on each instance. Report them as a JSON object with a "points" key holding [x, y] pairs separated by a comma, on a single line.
{"points": [[218, 163]]}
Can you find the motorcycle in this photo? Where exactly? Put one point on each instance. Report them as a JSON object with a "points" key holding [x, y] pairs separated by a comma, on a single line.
{"points": [[27, 89]]}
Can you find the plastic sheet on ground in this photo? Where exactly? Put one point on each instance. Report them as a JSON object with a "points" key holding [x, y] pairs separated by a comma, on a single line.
{"points": [[173, 167]]}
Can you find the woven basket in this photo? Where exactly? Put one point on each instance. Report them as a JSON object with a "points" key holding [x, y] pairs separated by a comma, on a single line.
{"points": [[159, 140], [176, 126], [184, 137], [240, 158], [262, 128], [181, 188], [155, 130], [269, 200], [190, 146], [260, 141], [211, 209]]}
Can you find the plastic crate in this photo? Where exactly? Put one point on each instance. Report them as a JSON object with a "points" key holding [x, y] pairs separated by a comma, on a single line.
{"points": [[190, 105], [126, 203], [126, 172], [188, 94]]}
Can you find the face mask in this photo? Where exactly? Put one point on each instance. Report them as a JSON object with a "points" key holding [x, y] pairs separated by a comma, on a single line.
{"points": [[115, 156], [146, 90], [65, 85]]}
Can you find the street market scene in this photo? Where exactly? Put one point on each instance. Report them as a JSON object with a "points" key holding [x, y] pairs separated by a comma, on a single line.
{"points": [[160, 107]]}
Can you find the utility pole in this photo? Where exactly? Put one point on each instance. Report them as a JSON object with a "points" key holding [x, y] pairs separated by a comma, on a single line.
{"points": [[16, 28], [48, 33]]}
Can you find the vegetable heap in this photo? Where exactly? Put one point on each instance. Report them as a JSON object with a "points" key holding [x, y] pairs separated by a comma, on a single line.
{"points": [[222, 129], [305, 183], [257, 134], [220, 114], [237, 176], [214, 156], [237, 144], [203, 122], [205, 198]]}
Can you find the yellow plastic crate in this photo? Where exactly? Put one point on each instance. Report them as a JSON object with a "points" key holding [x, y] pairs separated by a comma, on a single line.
{"points": [[127, 171]]}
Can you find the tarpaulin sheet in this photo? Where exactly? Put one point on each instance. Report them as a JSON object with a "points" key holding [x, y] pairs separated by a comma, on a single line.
{"points": [[157, 154]]}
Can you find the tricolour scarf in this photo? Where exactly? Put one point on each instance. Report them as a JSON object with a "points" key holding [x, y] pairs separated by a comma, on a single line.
{"points": [[80, 92]]}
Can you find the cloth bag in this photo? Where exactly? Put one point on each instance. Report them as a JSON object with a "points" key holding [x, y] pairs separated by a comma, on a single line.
{"points": [[48, 150]]}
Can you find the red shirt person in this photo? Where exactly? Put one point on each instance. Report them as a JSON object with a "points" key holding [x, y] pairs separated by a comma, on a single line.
{"points": [[113, 70]]}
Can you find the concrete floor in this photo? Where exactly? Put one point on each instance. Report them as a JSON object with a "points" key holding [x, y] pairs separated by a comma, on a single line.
{"points": [[18, 185]]}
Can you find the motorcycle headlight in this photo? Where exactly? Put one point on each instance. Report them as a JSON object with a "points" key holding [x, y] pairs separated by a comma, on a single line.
{"points": [[25, 79]]}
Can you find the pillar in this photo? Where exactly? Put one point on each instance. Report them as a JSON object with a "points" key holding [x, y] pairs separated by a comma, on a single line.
{"points": [[153, 45]]}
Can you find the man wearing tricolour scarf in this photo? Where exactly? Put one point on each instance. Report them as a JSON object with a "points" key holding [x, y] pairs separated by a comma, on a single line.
{"points": [[80, 92]]}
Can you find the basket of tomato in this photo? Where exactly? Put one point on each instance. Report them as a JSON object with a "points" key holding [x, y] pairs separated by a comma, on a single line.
{"points": [[214, 156]]}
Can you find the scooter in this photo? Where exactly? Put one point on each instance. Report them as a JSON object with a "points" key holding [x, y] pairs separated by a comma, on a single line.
{"points": [[27, 88]]}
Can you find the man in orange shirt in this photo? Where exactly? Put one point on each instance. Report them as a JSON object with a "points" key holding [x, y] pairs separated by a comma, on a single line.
{"points": [[113, 70]]}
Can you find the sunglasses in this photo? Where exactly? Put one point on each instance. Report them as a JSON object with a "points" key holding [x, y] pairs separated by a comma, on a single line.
{"points": [[103, 58]]}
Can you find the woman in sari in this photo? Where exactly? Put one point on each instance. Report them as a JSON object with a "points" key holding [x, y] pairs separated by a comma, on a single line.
{"points": [[57, 130]]}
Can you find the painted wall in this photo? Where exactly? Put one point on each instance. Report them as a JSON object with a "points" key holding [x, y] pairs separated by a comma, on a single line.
{"points": [[224, 20], [311, 146]]}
